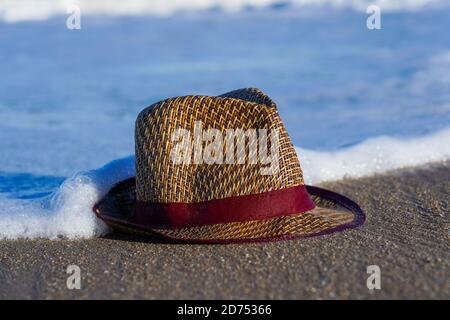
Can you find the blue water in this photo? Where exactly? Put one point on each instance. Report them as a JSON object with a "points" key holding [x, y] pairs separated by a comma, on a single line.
{"points": [[69, 98]]}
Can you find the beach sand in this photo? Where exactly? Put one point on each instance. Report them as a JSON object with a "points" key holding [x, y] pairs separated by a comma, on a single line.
{"points": [[406, 234]]}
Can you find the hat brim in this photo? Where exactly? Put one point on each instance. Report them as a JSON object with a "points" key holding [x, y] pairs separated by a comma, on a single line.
{"points": [[333, 212]]}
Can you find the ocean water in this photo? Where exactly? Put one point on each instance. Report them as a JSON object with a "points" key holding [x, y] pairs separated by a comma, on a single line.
{"points": [[355, 101]]}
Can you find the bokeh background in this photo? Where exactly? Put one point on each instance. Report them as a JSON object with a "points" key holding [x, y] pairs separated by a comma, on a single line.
{"points": [[69, 98]]}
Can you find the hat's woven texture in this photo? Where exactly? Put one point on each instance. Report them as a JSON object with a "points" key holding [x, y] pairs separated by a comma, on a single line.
{"points": [[122, 198], [296, 225], [160, 180]]}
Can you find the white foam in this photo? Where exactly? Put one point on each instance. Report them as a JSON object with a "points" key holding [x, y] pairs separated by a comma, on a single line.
{"points": [[376, 155], [20, 10], [68, 212]]}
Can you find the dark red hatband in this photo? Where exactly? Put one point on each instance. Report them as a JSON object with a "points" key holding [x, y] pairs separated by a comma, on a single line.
{"points": [[259, 206]]}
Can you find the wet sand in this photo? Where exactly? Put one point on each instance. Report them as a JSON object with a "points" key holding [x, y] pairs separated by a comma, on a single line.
{"points": [[406, 234]]}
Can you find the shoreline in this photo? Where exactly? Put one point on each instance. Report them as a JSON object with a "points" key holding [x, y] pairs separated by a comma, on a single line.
{"points": [[406, 234]]}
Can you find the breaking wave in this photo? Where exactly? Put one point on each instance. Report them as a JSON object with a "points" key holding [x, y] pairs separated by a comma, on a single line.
{"points": [[23, 10]]}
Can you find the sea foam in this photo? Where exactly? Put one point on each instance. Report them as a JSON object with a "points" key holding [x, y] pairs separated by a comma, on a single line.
{"points": [[373, 156], [23, 10], [68, 211]]}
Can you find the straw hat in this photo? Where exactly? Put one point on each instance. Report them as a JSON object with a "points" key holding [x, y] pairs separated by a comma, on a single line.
{"points": [[220, 201]]}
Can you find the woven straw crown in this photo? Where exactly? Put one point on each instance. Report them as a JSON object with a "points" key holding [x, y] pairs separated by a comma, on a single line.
{"points": [[160, 180], [215, 201]]}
